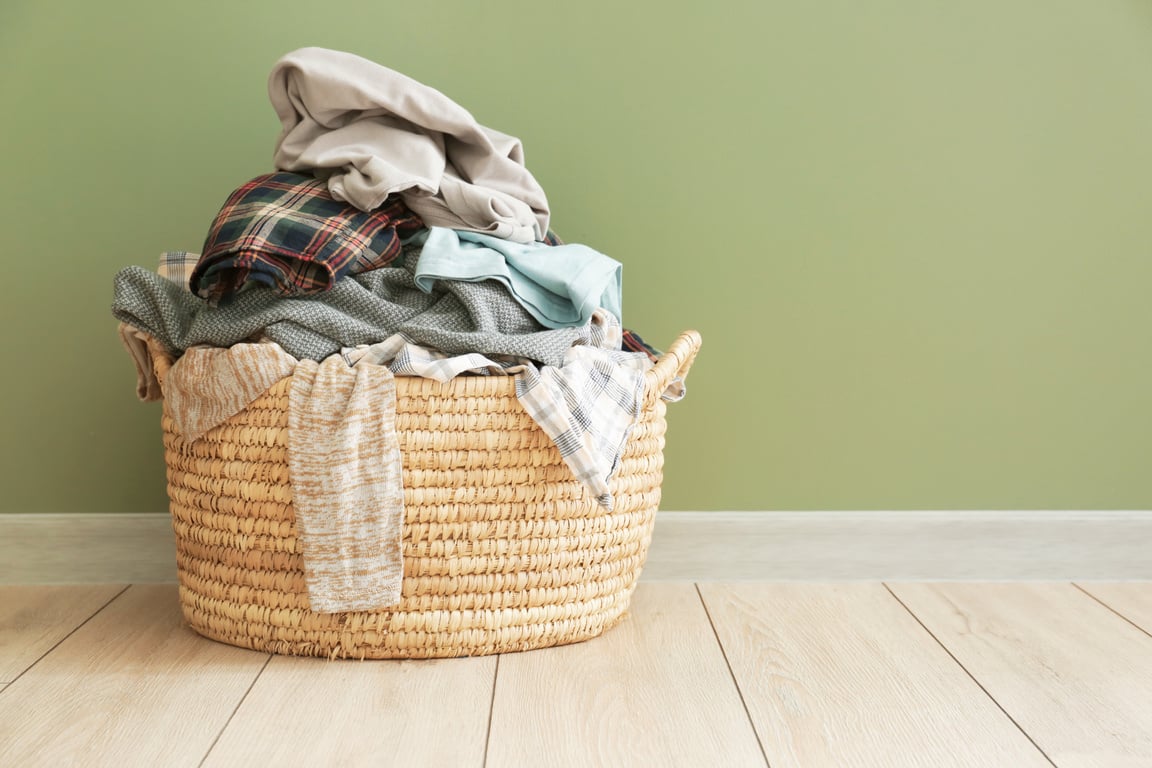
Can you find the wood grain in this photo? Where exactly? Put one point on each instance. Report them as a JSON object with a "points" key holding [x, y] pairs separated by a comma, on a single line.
{"points": [[132, 687], [1075, 676], [841, 675], [654, 691], [1132, 600], [310, 712], [836, 674], [35, 618]]}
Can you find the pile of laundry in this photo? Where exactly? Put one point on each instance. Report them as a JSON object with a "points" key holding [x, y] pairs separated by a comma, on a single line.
{"points": [[397, 237]]}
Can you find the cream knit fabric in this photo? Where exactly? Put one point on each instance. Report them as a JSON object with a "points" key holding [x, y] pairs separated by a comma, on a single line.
{"points": [[343, 460], [347, 484], [209, 385]]}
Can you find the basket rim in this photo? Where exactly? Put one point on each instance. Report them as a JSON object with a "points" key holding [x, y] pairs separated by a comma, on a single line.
{"points": [[674, 364]]}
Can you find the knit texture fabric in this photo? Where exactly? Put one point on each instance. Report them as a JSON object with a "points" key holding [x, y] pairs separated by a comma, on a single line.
{"points": [[347, 484], [455, 317]]}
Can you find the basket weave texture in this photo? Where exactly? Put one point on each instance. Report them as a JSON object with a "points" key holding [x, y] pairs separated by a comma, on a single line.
{"points": [[503, 549]]}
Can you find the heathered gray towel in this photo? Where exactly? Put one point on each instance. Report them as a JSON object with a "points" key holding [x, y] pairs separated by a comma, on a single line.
{"points": [[455, 317]]}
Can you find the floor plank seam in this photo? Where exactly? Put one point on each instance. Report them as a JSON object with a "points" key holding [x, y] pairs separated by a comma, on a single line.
{"points": [[732, 675], [235, 709], [61, 640], [491, 709], [1122, 616], [970, 675]]}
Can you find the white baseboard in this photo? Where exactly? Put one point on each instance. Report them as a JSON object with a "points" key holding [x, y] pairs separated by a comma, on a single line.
{"points": [[785, 546], [86, 549], [960, 545]]}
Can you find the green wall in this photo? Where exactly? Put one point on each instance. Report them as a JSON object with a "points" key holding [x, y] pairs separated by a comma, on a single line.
{"points": [[915, 235]]}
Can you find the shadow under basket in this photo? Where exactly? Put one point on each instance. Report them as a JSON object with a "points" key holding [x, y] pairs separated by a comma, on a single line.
{"points": [[504, 550]]}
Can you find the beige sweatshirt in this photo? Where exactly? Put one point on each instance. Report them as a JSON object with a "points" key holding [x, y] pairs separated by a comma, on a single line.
{"points": [[374, 132]]}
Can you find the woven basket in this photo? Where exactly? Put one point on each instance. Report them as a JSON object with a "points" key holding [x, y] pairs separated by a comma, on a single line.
{"points": [[503, 549]]}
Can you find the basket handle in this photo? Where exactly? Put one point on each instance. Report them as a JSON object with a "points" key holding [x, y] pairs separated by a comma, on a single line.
{"points": [[162, 360], [673, 365]]}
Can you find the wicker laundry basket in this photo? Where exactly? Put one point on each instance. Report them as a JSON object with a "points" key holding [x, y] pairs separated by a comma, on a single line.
{"points": [[503, 549]]}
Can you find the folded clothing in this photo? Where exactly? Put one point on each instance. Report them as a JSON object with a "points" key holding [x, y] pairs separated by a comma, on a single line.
{"points": [[285, 230], [561, 285]]}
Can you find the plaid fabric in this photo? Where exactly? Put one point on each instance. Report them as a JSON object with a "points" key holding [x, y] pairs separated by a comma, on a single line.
{"points": [[404, 358], [177, 266], [287, 231], [588, 407]]}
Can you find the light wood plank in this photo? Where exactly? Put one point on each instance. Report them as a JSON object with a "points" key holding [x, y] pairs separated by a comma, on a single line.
{"points": [[1132, 600], [310, 712], [35, 618], [654, 691], [132, 687], [1076, 677], [842, 675]]}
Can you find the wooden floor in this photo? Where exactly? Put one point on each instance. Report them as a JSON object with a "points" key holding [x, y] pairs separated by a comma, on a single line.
{"points": [[709, 674]]}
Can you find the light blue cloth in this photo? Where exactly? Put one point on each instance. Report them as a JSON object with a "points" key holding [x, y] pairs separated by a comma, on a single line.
{"points": [[560, 285]]}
